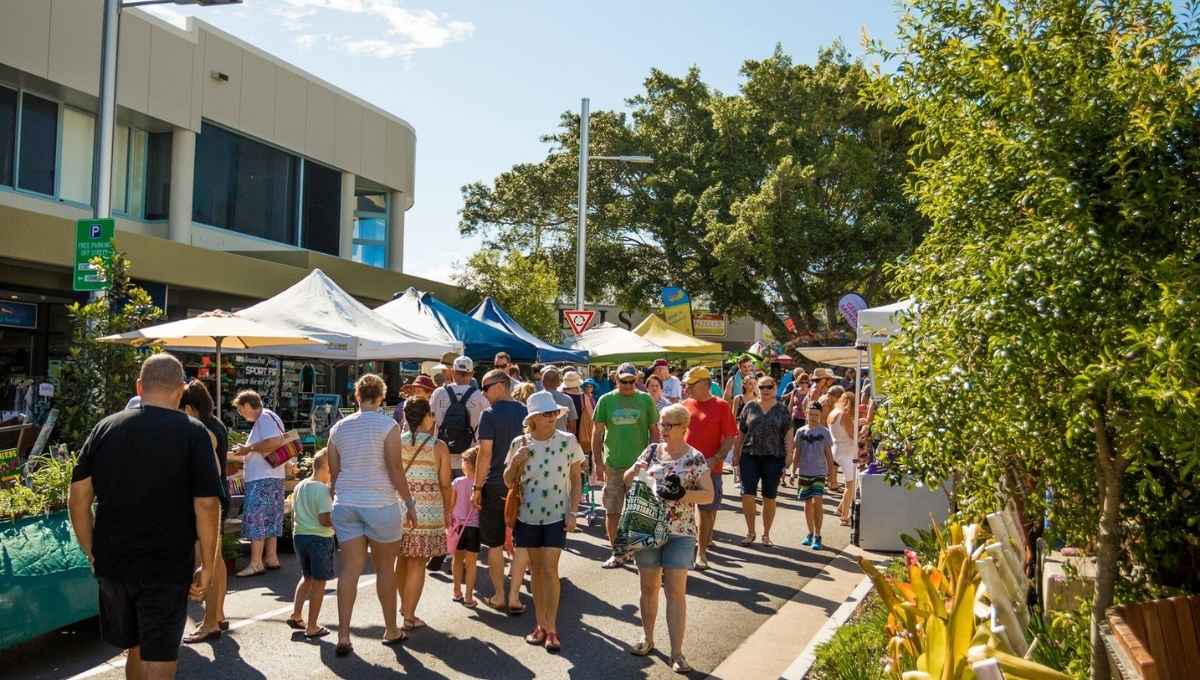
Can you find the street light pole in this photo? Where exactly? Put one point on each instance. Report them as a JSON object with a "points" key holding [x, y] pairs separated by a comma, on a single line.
{"points": [[102, 158], [581, 229]]}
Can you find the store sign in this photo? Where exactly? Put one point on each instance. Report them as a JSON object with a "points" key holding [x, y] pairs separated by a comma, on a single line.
{"points": [[710, 324], [10, 465], [18, 315], [93, 238], [677, 309]]}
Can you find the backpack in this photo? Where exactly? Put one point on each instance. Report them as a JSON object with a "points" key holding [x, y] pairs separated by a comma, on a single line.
{"points": [[456, 428]]}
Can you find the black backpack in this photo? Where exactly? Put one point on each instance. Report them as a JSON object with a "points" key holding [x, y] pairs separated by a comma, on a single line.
{"points": [[456, 428]]}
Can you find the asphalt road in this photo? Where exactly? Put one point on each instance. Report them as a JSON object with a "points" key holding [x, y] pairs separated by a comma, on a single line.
{"points": [[598, 620]]}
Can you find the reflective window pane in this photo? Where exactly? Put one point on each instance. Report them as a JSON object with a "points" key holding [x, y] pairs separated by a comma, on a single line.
{"points": [[137, 171], [120, 171], [370, 228], [8, 134], [322, 208], [245, 186], [158, 175], [77, 140], [374, 255], [39, 144], [372, 203]]}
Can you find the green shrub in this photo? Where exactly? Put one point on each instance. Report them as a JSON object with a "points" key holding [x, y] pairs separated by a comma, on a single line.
{"points": [[48, 484], [857, 650]]}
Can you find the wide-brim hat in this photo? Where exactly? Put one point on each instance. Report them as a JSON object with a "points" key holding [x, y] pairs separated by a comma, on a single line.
{"points": [[823, 373], [571, 379], [424, 382], [542, 402]]}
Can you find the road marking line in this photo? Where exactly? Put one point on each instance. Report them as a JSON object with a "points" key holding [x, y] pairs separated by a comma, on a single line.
{"points": [[804, 662], [119, 663]]}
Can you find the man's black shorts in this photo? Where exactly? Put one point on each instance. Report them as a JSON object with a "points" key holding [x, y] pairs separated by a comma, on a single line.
{"points": [[146, 615], [491, 516]]}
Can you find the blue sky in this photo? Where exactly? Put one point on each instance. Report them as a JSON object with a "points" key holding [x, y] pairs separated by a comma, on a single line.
{"points": [[481, 81]]}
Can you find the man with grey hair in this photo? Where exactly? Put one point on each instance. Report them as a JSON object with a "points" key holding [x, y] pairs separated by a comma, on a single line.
{"points": [[551, 381], [152, 473]]}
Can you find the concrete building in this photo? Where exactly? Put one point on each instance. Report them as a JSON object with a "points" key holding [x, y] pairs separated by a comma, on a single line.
{"points": [[234, 174]]}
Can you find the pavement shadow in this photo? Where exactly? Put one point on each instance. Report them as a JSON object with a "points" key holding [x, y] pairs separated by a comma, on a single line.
{"points": [[466, 656], [227, 661]]}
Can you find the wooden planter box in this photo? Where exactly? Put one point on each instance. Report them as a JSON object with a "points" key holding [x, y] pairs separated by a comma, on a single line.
{"points": [[1157, 640], [45, 579]]}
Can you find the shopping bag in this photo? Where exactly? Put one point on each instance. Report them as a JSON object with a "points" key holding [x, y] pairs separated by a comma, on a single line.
{"points": [[453, 533], [643, 523]]}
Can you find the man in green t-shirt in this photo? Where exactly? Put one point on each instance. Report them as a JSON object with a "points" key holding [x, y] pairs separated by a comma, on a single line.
{"points": [[624, 423]]}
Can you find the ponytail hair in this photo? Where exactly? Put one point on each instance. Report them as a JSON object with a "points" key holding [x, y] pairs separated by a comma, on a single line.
{"points": [[415, 410]]}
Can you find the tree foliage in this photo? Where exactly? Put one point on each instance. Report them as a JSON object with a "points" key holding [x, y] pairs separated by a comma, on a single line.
{"points": [[1056, 347], [778, 199], [525, 286], [98, 378]]}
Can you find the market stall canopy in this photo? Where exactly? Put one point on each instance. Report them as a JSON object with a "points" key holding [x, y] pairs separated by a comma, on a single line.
{"points": [[877, 324], [677, 345], [408, 312], [217, 330], [842, 357], [318, 307], [481, 341], [611, 344], [494, 315]]}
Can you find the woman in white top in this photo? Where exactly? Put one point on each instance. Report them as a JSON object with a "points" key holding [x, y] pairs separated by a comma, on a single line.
{"points": [[841, 426], [262, 514], [367, 481]]}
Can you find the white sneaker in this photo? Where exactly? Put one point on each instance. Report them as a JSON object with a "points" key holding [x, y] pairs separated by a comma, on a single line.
{"points": [[613, 562]]}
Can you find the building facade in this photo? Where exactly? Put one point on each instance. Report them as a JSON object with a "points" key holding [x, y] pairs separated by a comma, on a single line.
{"points": [[234, 172]]}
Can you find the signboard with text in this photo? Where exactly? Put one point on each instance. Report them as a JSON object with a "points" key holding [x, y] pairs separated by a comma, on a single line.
{"points": [[93, 238], [709, 324], [677, 309], [18, 315]]}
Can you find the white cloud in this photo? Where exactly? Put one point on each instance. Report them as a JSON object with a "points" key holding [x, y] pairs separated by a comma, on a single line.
{"points": [[405, 30]]}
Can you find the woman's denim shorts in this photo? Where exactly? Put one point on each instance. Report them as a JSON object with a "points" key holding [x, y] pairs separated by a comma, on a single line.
{"points": [[677, 553]]}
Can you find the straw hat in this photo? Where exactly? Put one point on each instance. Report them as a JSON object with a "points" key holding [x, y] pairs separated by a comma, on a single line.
{"points": [[823, 374], [571, 379]]}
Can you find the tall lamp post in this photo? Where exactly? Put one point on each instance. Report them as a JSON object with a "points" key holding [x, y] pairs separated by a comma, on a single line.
{"points": [[581, 228], [102, 158]]}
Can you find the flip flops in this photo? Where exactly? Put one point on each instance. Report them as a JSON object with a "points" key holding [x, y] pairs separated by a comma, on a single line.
{"points": [[250, 571], [553, 644], [470, 604], [396, 640], [537, 637], [412, 624], [198, 636], [321, 632], [748, 540], [296, 625]]}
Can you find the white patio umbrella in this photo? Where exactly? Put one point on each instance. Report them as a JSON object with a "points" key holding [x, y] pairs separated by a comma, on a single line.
{"points": [[213, 330]]}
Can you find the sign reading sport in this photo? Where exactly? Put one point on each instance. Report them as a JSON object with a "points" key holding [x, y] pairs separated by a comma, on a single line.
{"points": [[93, 238]]}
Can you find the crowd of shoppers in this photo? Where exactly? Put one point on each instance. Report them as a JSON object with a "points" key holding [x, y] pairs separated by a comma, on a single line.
{"points": [[431, 476]]}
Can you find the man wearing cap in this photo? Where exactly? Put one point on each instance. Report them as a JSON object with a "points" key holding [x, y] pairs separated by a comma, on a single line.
{"points": [[624, 424], [152, 473], [672, 388], [711, 431], [551, 380], [573, 388], [501, 423], [459, 389]]}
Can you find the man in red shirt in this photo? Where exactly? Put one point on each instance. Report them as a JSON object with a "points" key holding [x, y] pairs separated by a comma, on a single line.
{"points": [[711, 431]]}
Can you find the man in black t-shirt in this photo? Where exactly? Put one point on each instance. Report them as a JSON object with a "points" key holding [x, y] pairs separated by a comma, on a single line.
{"points": [[153, 475]]}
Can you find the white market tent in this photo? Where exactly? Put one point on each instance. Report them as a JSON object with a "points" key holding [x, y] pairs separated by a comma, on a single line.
{"points": [[842, 357], [608, 343], [407, 312], [877, 324], [319, 308]]}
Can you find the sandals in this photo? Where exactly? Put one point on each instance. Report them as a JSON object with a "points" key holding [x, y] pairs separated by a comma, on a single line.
{"points": [[766, 541], [553, 644], [412, 624], [470, 604], [251, 571], [273, 567], [396, 640], [456, 598], [502, 608], [296, 625], [321, 632], [748, 540], [198, 636], [223, 624], [537, 637], [680, 665], [644, 647]]}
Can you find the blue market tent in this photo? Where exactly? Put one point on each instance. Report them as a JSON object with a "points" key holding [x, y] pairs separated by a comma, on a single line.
{"points": [[417, 310], [494, 315]]}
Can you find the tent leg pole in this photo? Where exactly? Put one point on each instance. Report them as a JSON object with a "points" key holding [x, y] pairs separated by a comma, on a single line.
{"points": [[857, 395], [219, 375]]}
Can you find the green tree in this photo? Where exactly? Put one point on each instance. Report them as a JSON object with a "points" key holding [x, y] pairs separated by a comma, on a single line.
{"points": [[99, 377], [525, 286], [1056, 346], [777, 199]]}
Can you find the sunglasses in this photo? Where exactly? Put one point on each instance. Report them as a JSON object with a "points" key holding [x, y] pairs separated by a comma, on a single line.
{"points": [[549, 415], [491, 385], [628, 381], [667, 426], [766, 385]]}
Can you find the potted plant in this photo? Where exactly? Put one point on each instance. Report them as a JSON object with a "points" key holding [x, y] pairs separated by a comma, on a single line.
{"points": [[48, 580], [231, 549]]}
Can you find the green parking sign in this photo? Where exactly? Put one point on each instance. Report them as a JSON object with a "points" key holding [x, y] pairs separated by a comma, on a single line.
{"points": [[93, 238]]}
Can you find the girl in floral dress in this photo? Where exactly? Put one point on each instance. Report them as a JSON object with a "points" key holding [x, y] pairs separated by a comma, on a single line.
{"points": [[426, 461]]}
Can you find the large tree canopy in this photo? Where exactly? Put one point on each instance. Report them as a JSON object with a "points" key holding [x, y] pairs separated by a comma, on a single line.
{"points": [[1057, 347], [773, 201]]}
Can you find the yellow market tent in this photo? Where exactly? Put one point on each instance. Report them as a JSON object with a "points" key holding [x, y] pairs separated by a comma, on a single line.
{"points": [[679, 346]]}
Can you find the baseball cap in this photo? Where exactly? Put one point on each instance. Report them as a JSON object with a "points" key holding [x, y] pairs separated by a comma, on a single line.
{"points": [[661, 362], [464, 365], [696, 374], [627, 369]]}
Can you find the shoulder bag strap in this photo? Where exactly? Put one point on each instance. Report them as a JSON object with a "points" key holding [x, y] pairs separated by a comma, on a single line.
{"points": [[417, 452]]}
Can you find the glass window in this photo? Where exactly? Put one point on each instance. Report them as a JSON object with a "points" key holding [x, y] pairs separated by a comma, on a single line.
{"points": [[78, 139], [370, 228], [374, 255], [137, 171], [245, 186], [120, 172], [322, 208], [372, 203], [158, 175], [8, 134], [39, 144]]}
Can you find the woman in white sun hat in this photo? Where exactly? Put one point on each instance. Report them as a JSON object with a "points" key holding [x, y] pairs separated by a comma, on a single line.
{"points": [[546, 462]]}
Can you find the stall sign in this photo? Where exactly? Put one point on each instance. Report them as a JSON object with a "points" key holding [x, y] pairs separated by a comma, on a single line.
{"points": [[10, 465], [710, 324], [18, 315]]}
